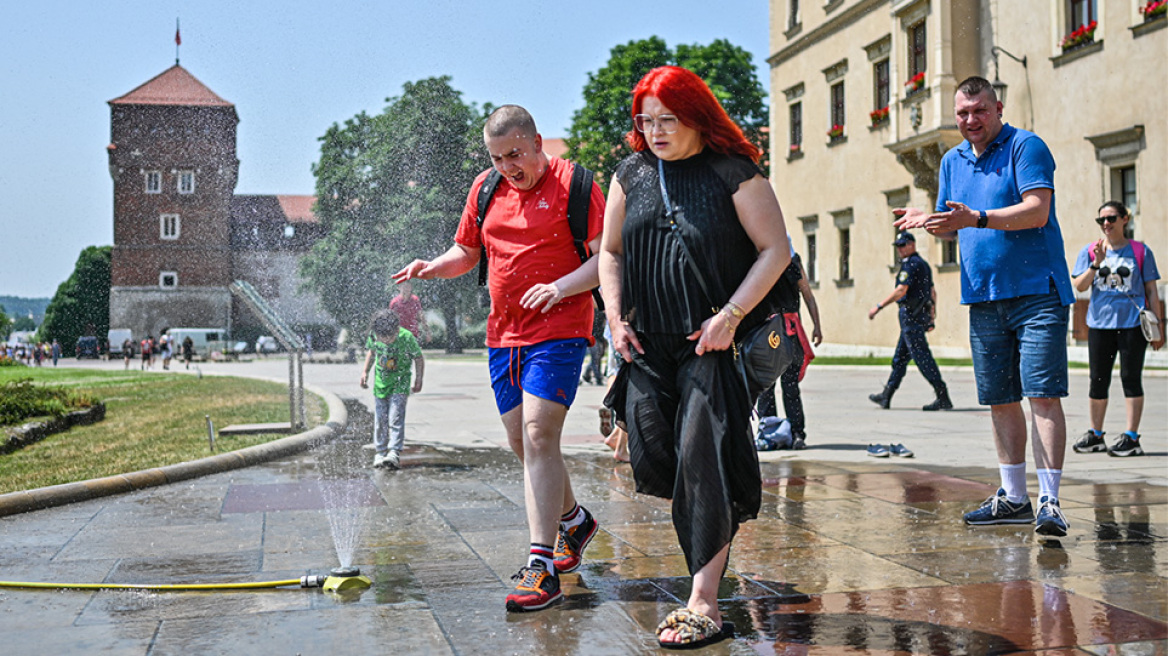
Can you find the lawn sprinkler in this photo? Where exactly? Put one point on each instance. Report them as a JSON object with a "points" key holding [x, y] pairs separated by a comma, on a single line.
{"points": [[344, 579]]}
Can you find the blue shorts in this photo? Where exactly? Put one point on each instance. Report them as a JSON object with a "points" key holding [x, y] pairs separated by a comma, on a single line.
{"points": [[549, 370], [1019, 348]]}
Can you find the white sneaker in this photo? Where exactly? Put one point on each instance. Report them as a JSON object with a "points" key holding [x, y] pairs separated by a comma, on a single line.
{"points": [[372, 446], [392, 460], [380, 460]]}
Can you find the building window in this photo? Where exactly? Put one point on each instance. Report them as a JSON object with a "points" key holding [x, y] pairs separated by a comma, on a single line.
{"points": [[167, 279], [838, 120], [792, 14], [949, 252], [918, 46], [169, 226], [289, 231], [880, 89], [1080, 13], [1123, 186], [154, 182], [796, 111], [186, 182], [845, 254], [811, 260]]}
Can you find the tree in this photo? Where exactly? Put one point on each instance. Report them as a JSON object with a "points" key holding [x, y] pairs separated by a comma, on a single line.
{"points": [[81, 304], [24, 323], [6, 326], [391, 188], [596, 138]]}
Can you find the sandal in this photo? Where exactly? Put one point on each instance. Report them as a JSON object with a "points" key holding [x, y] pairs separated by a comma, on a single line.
{"points": [[606, 422], [694, 630]]}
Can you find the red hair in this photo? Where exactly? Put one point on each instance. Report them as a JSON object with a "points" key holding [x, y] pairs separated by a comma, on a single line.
{"points": [[692, 102]]}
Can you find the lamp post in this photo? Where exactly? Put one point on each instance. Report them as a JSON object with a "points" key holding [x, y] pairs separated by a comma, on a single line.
{"points": [[998, 85]]}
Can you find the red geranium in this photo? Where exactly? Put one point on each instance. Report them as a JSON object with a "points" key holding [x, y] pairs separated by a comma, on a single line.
{"points": [[1083, 35], [1154, 8]]}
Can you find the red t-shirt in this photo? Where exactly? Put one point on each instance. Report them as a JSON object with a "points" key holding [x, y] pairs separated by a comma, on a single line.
{"points": [[408, 311], [529, 242]]}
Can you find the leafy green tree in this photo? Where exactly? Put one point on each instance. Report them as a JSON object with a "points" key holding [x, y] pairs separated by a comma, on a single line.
{"points": [[596, 137], [6, 326], [81, 304], [391, 188], [24, 323]]}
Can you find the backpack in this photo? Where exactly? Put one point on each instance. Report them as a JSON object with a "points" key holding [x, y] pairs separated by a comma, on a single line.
{"points": [[1137, 250], [579, 202]]}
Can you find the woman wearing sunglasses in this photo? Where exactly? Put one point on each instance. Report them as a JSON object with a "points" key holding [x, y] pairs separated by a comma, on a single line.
{"points": [[692, 188], [1122, 275]]}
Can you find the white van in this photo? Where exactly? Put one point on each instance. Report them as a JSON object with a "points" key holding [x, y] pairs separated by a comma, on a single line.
{"points": [[206, 341], [116, 336]]}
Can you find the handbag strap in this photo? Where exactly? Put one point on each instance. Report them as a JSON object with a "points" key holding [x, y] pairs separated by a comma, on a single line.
{"points": [[676, 230]]}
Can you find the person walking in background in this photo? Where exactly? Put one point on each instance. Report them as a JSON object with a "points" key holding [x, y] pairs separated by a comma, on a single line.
{"points": [[409, 310], [691, 188], [917, 300], [395, 353], [1121, 274], [127, 352], [56, 352], [148, 353], [538, 330], [188, 350], [996, 196], [164, 346], [792, 285]]}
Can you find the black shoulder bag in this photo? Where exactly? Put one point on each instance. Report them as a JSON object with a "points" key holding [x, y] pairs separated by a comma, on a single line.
{"points": [[764, 352]]}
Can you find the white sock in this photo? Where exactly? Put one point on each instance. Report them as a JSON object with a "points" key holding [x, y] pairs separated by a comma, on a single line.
{"points": [[1014, 481], [544, 554], [1048, 482], [572, 518]]}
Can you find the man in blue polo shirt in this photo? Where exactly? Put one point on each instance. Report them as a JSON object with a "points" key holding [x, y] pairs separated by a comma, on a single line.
{"points": [[996, 196]]}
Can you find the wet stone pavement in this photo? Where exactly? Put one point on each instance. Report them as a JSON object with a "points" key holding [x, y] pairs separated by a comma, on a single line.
{"points": [[847, 556]]}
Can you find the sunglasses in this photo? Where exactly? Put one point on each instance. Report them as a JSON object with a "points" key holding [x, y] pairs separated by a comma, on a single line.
{"points": [[1108, 219]]}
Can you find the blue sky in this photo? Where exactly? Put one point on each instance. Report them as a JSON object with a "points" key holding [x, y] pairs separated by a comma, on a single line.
{"points": [[291, 68]]}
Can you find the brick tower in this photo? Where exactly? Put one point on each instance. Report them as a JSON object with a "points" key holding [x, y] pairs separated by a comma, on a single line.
{"points": [[173, 162]]}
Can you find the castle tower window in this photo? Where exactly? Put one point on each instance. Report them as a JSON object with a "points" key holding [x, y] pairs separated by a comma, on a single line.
{"points": [[153, 182], [169, 226], [167, 279], [186, 182]]}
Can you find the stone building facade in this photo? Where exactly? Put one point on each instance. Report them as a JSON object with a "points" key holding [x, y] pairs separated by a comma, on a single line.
{"points": [[180, 234], [862, 107]]}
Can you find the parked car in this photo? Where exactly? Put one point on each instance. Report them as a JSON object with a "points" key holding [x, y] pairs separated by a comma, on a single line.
{"points": [[88, 347], [266, 344]]}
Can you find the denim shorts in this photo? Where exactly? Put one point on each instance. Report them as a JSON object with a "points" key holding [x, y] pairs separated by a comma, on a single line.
{"points": [[549, 370], [1019, 348]]}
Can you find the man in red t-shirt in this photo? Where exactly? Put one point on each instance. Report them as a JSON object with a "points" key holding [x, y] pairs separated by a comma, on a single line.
{"points": [[538, 331], [409, 311]]}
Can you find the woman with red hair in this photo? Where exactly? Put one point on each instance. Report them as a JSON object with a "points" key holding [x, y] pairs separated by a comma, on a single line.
{"points": [[690, 200]]}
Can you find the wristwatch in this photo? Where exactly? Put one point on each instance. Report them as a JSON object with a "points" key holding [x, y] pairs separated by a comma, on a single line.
{"points": [[1093, 266], [982, 219]]}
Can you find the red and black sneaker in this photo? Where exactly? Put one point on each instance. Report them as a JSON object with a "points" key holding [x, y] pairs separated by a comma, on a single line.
{"points": [[570, 544], [537, 589]]}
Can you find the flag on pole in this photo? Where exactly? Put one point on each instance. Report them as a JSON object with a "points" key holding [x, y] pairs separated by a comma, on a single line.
{"points": [[177, 36]]}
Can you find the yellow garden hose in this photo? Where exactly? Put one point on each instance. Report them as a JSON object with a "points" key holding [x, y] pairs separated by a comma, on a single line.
{"points": [[311, 581]]}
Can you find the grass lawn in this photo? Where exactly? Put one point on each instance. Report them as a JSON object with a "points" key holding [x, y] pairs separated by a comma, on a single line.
{"points": [[151, 420]]}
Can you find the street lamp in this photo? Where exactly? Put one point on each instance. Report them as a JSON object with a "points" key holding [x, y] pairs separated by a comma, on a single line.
{"points": [[998, 85]]}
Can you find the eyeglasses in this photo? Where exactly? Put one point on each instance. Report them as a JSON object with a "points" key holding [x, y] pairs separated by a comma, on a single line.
{"points": [[1108, 219], [667, 123]]}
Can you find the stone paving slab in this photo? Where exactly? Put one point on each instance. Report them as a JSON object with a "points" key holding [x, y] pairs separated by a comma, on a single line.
{"points": [[849, 555]]}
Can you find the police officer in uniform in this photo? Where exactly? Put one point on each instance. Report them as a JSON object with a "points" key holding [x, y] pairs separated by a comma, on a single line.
{"points": [[917, 299]]}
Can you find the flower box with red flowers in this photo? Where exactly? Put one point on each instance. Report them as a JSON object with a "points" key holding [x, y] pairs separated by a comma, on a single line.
{"points": [[836, 131], [914, 84], [796, 149], [1084, 35], [1154, 9], [879, 116]]}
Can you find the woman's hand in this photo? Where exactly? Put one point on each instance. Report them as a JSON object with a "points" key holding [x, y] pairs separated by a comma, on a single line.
{"points": [[1099, 252], [624, 340], [545, 295], [716, 334]]}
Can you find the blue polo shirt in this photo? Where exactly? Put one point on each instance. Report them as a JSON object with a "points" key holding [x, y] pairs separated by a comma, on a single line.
{"points": [[1001, 264]]}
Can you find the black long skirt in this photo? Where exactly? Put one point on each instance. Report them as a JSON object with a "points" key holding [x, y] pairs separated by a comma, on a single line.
{"points": [[690, 441]]}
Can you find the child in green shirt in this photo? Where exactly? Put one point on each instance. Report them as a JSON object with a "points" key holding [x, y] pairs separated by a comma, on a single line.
{"points": [[392, 348]]}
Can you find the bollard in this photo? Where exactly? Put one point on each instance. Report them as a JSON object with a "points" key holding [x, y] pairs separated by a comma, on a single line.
{"points": [[210, 433]]}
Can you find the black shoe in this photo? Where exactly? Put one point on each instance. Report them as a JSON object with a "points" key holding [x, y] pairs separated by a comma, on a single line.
{"points": [[1090, 442], [942, 403], [1126, 446], [883, 399]]}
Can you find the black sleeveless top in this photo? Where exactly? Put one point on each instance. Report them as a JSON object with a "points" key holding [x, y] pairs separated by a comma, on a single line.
{"points": [[659, 293]]}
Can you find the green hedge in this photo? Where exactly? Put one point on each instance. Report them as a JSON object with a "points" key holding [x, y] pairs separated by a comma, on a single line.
{"points": [[21, 399]]}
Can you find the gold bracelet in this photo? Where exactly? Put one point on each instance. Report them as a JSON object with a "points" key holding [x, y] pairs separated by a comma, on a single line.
{"points": [[731, 326], [735, 309]]}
